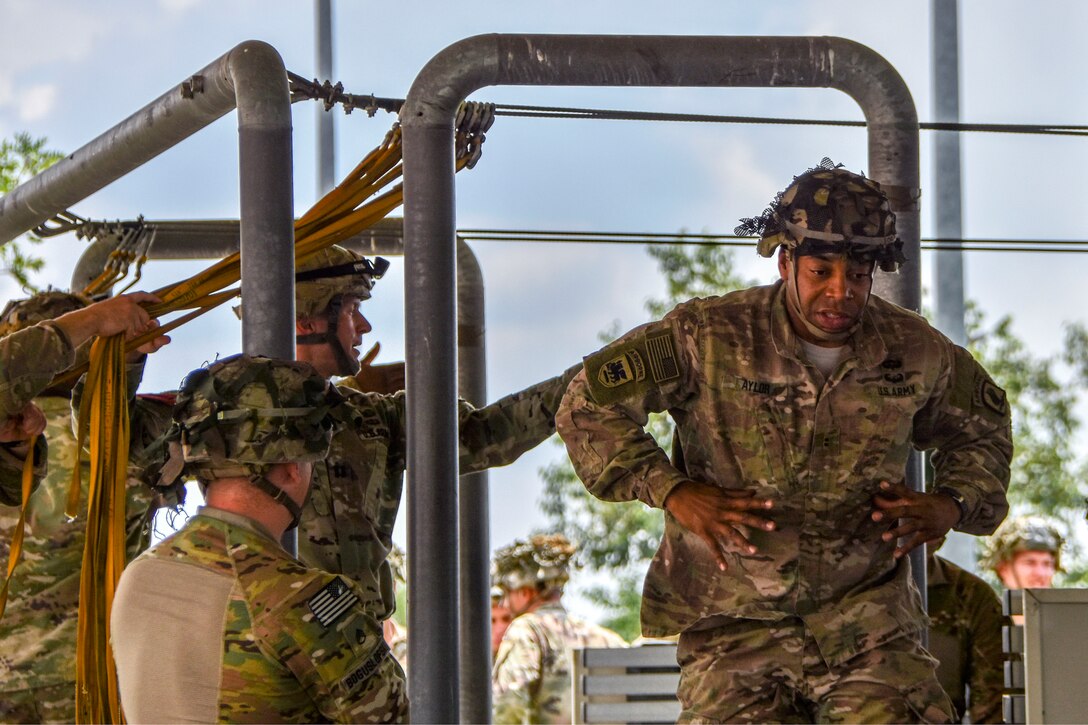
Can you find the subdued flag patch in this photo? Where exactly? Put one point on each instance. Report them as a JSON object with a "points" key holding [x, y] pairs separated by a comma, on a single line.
{"points": [[329, 604], [662, 358]]}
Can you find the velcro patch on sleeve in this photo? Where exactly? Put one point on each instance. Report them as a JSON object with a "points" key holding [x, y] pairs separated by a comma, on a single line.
{"points": [[332, 602], [988, 395], [363, 672], [628, 369]]}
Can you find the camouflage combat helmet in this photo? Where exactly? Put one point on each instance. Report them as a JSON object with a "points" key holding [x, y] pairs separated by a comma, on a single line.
{"points": [[542, 562], [333, 272], [49, 305], [831, 210], [1024, 533], [244, 414]]}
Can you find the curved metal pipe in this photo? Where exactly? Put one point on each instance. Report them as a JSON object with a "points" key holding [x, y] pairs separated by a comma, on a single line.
{"points": [[427, 119]]}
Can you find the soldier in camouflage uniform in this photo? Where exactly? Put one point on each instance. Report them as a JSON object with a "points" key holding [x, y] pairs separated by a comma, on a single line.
{"points": [[218, 623], [531, 680], [347, 526], [796, 406], [43, 336], [965, 637], [1025, 553]]}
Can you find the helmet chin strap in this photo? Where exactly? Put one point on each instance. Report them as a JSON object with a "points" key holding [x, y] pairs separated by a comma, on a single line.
{"points": [[345, 363], [280, 496], [793, 299]]}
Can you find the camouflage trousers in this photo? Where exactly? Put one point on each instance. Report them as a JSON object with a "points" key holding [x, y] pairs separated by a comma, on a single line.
{"points": [[753, 671], [56, 703]]}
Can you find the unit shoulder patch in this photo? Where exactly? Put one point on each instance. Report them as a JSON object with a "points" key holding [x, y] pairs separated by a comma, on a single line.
{"points": [[625, 370], [987, 394]]}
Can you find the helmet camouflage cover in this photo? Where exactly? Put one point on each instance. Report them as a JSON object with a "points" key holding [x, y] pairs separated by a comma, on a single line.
{"points": [[830, 210], [333, 272], [398, 564], [242, 414], [1023, 533], [49, 305], [543, 561]]}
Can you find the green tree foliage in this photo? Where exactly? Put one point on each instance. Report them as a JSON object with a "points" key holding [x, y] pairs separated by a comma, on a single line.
{"points": [[22, 157], [619, 539], [1048, 470]]}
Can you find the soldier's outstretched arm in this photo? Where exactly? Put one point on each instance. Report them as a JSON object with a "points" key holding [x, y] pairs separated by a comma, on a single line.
{"points": [[967, 423], [499, 433]]}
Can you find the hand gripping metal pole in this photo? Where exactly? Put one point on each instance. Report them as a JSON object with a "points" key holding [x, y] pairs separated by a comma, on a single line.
{"points": [[429, 220]]}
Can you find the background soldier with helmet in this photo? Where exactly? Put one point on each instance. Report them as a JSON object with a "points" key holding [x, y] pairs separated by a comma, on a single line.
{"points": [[40, 337], [796, 405], [1025, 553], [239, 629], [347, 526], [531, 681]]}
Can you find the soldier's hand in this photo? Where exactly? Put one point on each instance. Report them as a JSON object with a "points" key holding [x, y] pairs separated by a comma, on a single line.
{"points": [[716, 514], [124, 314], [28, 422], [387, 378], [922, 517]]}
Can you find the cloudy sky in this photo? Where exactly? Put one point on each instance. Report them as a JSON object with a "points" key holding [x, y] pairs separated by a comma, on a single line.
{"points": [[70, 70]]}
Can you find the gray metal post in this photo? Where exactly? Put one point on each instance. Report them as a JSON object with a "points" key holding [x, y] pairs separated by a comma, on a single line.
{"points": [[325, 130], [427, 119], [267, 207], [473, 502], [947, 181], [948, 292]]}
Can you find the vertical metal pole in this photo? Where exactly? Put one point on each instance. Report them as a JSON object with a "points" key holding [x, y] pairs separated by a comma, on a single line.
{"points": [[473, 504], [947, 183], [325, 130], [948, 294], [267, 233], [430, 329]]}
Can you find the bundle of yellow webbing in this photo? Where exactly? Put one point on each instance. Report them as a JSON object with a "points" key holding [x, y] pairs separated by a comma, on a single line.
{"points": [[103, 418]]}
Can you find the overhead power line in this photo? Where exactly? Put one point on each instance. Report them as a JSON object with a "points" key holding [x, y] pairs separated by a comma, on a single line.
{"points": [[1063, 246], [331, 95]]}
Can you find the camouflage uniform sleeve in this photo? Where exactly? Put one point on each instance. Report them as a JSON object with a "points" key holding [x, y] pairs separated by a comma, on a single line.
{"points": [[497, 434], [336, 650], [603, 416], [30, 358], [967, 421], [516, 676]]}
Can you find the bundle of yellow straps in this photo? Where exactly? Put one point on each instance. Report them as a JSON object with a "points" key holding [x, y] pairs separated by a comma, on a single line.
{"points": [[345, 211]]}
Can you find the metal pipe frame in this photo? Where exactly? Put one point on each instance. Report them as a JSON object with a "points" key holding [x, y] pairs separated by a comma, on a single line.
{"points": [[252, 78], [427, 119]]}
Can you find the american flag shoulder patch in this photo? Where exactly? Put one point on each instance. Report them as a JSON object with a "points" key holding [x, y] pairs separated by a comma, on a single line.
{"points": [[662, 358], [329, 604]]}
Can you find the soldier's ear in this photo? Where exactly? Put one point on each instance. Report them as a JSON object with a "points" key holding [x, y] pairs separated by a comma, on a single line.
{"points": [[784, 265], [306, 325]]}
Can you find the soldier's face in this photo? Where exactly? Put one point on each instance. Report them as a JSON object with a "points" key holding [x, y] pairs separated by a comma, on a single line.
{"points": [[1028, 570], [832, 291], [351, 326], [501, 617]]}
